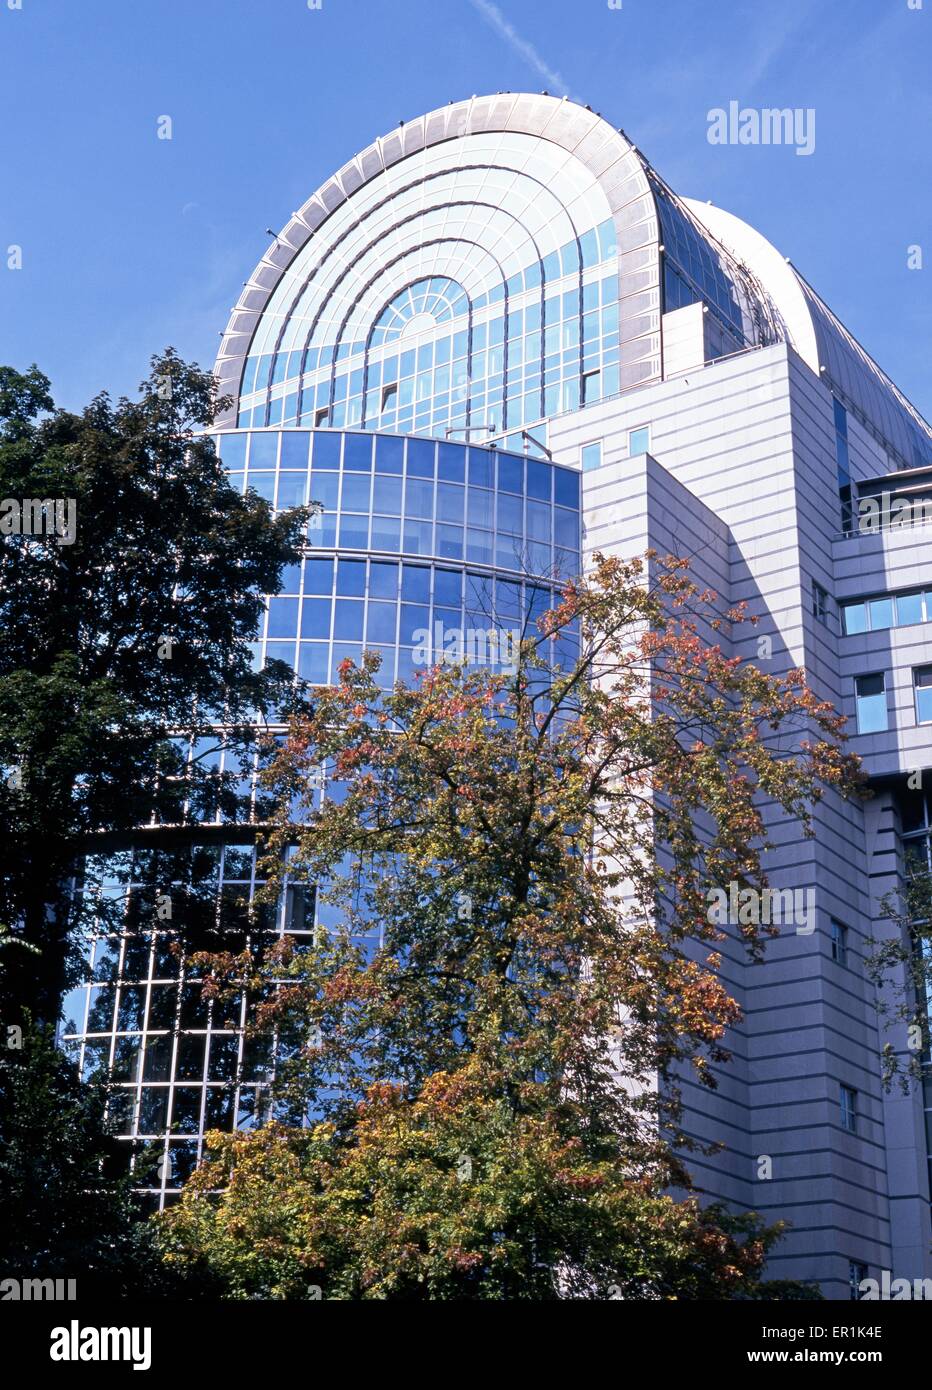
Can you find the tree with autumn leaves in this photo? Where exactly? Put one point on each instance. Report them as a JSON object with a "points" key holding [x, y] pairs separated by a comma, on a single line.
{"points": [[474, 1093]]}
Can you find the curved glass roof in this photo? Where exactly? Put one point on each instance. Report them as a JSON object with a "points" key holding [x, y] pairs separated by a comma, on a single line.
{"points": [[501, 261]]}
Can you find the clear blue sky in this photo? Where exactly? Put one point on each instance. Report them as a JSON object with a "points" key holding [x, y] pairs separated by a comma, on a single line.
{"points": [[131, 242]]}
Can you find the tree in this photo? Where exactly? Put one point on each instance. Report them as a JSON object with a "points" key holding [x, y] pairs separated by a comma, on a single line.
{"points": [[67, 1208], [518, 870], [127, 612]]}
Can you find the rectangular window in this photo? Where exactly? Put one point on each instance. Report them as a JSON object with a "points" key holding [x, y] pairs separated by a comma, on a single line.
{"points": [[819, 603], [870, 698], [592, 456], [839, 943], [855, 618], [639, 440], [857, 1273], [922, 680], [591, 388], [849, 1108]]}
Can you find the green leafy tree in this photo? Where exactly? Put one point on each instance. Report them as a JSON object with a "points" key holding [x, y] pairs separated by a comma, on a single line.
{"points": [[127, 615], [521, 959]]}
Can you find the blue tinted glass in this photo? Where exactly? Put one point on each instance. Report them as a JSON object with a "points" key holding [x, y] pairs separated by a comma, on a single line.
{"points": [[566, 528], [386, 533], [480, 469], [881, 613], [291, 579], [347, 620], [538, 480], [414, 621], [383, 580], [325, 489], [415, 583], [283, 617], [480, 508], [295, 444], [450, 542], [262, 450], [452, 463], [291, 489], [909, 608], [420, 458], [841, 419], [510, 510], [450, 500], [233, 450], [447, 588], [326, 449], [638, 441], [387, 496], [380, 622], [351, 578], [566, 487], [318, 576], [418, 537], [479, 547], [419, 498], [871, 703], [315, 617], [354, 531], [264, 484], [357, 452], [312, 662], [591, 456], [510, 473], [355, 494]]}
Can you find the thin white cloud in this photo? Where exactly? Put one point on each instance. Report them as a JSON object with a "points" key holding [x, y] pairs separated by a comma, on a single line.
{"points": [[493, 16]]}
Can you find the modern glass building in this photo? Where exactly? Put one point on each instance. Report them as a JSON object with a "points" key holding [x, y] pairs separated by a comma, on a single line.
{"points": [[496, 342]]}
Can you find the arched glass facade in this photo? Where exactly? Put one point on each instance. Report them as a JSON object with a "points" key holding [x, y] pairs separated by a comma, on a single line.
{"points": [[424, 548]]}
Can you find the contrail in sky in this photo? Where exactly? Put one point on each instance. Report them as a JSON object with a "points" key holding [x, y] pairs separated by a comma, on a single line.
{"points": [[494, 17]]}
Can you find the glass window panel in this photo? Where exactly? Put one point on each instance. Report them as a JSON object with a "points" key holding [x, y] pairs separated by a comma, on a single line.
{"points": [[566, 487], [263, 483], [387, 496], [871, 703], [383, 580], [351, 578], [325, 490], [855, 617], [389, 454], [881, 613], [313, 662], [418, 537], [421, 458], [510, 514], [263, 448], [923, 682], [318, 576], [480, 469], [380, 622], [347, 620], [452, 463], [415, 619], [283, 617], [233, 450], [295, 449], [357, 451], [419, 498], [510, 473], [315, 617], [447, 586], [325, 451], [356, 491], [354, 531], [909, 608], [591, 456], [479, 547], [450, 500], [480, 508], [450, 542], [386, 533]]}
